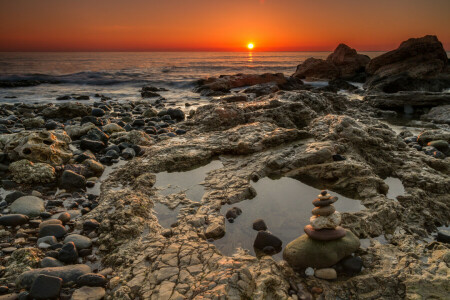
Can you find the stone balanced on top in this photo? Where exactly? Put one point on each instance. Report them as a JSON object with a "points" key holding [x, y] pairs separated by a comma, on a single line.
{"points": [[325, 242]]}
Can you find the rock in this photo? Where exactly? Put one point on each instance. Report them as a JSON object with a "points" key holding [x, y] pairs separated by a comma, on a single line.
{"points": [[77, 131], [316, 69], [215, 231], [348, 61], [64, 217], [233, 213], [321, 222], [38, 146], [112, 127], [33, 123], [97, 112], [351, 265], [46, 287], [416, 61], [258, 90], [427, 136], [50, 262], [324, 210], [227, 82], [92, 279], [443, 236], [90, 225], [24, 171], [149, 94], [72, 181], [95, 169], [55, 230], [11, 197], [264, 239], [439, 114], [325, 234], [28, 205], [322, 203], [407, 100], [259, 225], [81, 242], [305, 252], [326, 273], [234, 98], [13, 220], [67, 110], [48, 222], [176, 114], [94, 146], [68, 253], [128, 153], [441, 145], [88, 293], [67, 274]]}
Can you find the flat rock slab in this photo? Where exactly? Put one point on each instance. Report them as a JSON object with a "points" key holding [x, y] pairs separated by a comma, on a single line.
{"points": [[88, 293], [28, 205], [66, 273]]}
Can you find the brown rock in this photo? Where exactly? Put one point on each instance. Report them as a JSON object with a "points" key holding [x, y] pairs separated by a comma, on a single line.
{"points": [[418, 57], [348, 61], [227, 82], [324, 210], [325, 234], [320, 203], [317, 69]]}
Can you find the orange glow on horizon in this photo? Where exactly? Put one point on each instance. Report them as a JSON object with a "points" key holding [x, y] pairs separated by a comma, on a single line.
{"points": [[205, 25]]}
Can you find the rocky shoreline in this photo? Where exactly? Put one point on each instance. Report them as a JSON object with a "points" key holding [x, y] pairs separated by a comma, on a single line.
{"points": [[59, 237]]}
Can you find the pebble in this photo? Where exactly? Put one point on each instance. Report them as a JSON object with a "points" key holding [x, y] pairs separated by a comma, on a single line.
{"points": [[46, 287], [352, 265], [68, 274], [326, 273], [92, 279], [51, 240], [28, 205], [64, 217], [80, 241], [13, 220], [68, 253], [50, 262], [264, 239], [71, 180], [55, 230], [259, 225], [309, 271]]}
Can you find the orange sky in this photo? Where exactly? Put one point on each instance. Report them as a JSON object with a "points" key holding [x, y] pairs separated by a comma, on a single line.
{"points": [[299, 25]]}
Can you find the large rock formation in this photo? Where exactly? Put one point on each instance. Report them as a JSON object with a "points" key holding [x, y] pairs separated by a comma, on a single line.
{"points": [[348, 61], [418, 64], [344, 62]]}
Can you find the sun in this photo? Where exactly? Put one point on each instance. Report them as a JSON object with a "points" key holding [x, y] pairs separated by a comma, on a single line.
{"points": [[250, 46]]}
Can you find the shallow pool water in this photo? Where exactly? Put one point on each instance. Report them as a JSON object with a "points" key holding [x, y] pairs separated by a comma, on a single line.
{"points": [[95, 190], [396, 187], [165, 215], [188, 182], [284, 204]]}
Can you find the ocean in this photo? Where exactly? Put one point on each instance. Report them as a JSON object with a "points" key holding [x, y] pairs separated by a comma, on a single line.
{"points": [[120, 75]]}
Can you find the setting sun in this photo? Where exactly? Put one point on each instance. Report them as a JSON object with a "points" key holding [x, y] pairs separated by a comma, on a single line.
{"points": [[250, 46]]}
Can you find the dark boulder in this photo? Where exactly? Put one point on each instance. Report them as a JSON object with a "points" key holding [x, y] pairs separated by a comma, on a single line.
{"points": [[266, 239], [46, 287]]}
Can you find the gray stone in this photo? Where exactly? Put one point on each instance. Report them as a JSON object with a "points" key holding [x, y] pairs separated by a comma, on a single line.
{"points": [[88, 293], [80, 241], [28, 205], [50, 262]]}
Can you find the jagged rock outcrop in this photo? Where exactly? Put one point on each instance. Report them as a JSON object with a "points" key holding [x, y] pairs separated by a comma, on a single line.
{"points": [[344, 63], [418, 64]]}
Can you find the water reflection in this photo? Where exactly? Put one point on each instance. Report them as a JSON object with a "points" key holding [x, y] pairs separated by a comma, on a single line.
{"points": [[250, 57], [285, 206], [396, 187], [188, 182]]}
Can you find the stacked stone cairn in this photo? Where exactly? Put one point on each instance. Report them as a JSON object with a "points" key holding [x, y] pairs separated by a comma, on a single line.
{"points": [[325, 242], [325, 220]]}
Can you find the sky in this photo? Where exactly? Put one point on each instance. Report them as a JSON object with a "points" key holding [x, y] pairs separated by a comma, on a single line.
{"points": [[218, 25]]}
